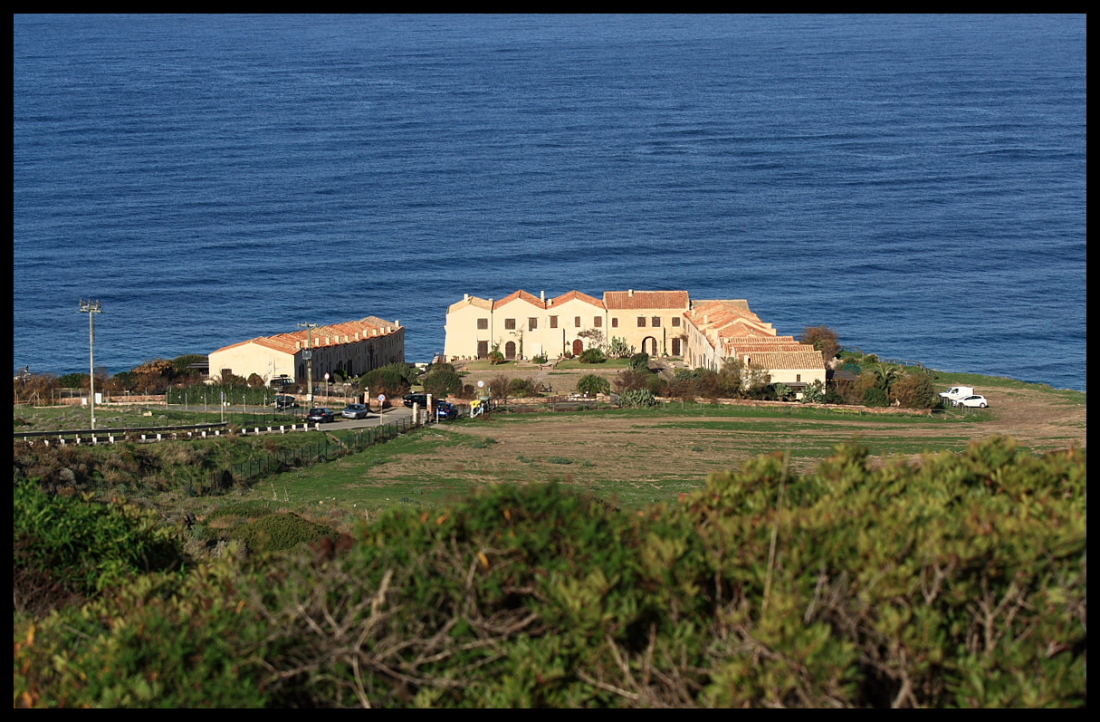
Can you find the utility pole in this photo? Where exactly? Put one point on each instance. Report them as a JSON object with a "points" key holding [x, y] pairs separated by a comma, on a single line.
{"points": [[308, 356], [91, 308]]}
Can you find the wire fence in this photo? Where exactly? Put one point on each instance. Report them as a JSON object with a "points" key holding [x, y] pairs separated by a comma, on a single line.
{"points": [[276, 462]]}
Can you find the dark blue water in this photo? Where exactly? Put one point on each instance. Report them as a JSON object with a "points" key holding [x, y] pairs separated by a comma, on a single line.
{"points": [[917, 183]]}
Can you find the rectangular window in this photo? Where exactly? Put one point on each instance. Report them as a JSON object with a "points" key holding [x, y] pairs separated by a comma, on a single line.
{"points": [[675, 320], [641, 321], [614, 323], [482, 324], [553, 322], [577, 321], [597, 322], [510, 324], [797, 378], [656, 322], [532, 324]]}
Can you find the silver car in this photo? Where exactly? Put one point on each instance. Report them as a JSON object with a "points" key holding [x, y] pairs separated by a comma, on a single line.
{"points": [[355, 411]]}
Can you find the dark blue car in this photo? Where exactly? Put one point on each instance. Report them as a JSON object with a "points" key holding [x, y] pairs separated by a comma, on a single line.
{"points": [[445, 411], [320, 415]]}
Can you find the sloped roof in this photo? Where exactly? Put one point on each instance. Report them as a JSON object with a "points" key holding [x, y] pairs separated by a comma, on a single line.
{"points": [[481, 303], [644, 300], [575, 295], [520, 295], [288, 342], [788, 360]]}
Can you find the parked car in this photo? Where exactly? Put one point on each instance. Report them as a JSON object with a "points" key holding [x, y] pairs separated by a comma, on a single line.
{"points": [[445, 411], [956, 393], [321, 415], [976, 401], [355, 411], [286, 402], [419, 399]]}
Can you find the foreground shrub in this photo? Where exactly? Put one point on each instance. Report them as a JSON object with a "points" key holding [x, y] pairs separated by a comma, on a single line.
{"points": [[72, 547], [958, 581]]}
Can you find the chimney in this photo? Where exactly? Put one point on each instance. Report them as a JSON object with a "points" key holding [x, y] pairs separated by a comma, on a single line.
{"points": [[542, 295], [631, 292], [397, 323], [465, 297]]}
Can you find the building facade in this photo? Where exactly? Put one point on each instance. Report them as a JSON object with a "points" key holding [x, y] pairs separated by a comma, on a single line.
{"points": [[660, 323], [348, 349]]}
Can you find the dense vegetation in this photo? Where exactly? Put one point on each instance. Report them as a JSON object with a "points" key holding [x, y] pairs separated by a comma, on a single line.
{"points": [[956, 581]]}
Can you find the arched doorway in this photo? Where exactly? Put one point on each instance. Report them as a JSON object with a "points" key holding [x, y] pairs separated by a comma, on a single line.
{"points": [[649, 346], [510, 349], [578, 347]]}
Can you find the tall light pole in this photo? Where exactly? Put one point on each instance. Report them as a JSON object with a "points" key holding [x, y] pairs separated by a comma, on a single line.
{"points": [[91, 308], [308, 356]]}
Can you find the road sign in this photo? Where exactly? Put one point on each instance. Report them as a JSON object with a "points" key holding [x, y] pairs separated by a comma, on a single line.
{"points": [[326, 377], [381, 399]]}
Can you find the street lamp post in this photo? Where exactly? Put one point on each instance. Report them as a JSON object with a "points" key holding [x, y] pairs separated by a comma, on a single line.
{"points": [[91, 308], [308, 356]]}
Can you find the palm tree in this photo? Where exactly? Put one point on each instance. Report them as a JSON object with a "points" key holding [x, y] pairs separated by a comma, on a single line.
{"points": [[887, 375]]}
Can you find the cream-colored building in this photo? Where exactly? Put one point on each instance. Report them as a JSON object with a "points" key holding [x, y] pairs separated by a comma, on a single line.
{"points": [[660, 323], [349, 349]]}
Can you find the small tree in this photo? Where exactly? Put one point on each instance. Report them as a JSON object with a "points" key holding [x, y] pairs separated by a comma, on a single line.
{"points": [[523, 388], [639, 361], [594, 336], [630, 380], [915, 391], [593, 384], [498, 387], [782, 391], [441, 383], [824, 339]]}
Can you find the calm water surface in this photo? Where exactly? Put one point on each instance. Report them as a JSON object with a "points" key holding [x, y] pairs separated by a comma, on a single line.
{"points": [[917, 183]]}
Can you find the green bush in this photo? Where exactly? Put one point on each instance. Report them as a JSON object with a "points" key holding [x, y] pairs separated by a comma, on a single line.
{"points": [[394, 380], [77, 547], [442, 383], [639, 362], [593, 384], [956, 581], [593, 356], [539, 359], [915, 390], [280, 531], [875, 396], [523, 388]]}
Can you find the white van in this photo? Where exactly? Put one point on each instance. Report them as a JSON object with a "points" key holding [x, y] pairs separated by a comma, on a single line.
{"points": [[956, 393]]}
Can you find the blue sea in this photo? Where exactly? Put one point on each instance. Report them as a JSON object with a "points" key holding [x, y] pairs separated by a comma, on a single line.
{"points": [[915, 182]]}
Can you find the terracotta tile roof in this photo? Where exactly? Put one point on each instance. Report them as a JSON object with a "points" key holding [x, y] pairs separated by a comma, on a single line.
{"points": [[575, 295], [789, 360], [521, 294], [470, 301], [288, 342], [643, 300]]}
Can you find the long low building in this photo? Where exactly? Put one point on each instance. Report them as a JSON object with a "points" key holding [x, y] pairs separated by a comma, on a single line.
{"points": [[348, 349], [660, 323]]}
